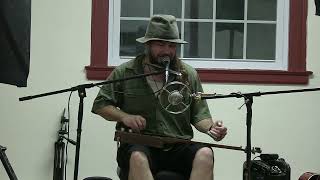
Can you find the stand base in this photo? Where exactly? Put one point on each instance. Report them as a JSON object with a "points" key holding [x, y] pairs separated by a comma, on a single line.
{"points": [[267, 170]]}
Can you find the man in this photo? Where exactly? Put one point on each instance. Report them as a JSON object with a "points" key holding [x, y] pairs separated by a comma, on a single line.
{"points": [[134, 104]]}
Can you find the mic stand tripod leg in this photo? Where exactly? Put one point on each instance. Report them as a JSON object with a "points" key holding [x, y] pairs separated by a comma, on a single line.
{"points": [[6, 164]]}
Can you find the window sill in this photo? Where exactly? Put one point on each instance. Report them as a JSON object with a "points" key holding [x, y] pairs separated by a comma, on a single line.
{"points": [[226, 75]]}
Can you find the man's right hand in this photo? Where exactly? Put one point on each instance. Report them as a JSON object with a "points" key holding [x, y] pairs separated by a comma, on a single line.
{"points": [[135, 122]]}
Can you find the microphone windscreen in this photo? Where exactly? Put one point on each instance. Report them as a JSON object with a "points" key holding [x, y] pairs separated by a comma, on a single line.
{"points": [[164, 60]]}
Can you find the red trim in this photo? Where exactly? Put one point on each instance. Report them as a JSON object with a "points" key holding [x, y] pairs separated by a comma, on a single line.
{"points": [[254, 76], [98, 73], [297, 35], [297, 74], [99, 33]]}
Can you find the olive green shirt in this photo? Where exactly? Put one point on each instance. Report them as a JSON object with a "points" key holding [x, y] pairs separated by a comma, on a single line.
{"points": [[136, 97]]}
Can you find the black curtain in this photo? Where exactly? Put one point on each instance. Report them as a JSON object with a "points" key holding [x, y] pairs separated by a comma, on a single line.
{"points": [[15, 20], [317, 2]]}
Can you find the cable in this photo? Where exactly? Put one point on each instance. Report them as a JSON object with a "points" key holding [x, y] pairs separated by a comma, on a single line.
{"points": [[68, 136]]}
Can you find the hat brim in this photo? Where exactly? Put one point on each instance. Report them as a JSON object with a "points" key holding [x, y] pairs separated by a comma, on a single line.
{"points": [[144, 40]]}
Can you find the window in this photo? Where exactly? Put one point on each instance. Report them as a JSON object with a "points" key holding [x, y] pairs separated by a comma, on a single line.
{"points": [[239, 40]]}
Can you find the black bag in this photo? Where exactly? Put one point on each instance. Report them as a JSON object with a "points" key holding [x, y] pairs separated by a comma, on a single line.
{"points": [[268, 168]]}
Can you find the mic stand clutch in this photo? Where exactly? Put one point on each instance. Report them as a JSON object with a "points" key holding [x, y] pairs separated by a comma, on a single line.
{"points": [[82, 94], [248, 99]]}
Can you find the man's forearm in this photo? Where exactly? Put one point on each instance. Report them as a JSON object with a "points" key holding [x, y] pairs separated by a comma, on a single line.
{"points": [[204, 125], [111, 113]]}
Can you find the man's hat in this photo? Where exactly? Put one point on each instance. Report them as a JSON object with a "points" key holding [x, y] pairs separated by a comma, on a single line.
{"points": [[164, 28]]}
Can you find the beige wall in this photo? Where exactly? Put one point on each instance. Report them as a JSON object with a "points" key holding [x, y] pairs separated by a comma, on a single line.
{"points": [[286, 124]]}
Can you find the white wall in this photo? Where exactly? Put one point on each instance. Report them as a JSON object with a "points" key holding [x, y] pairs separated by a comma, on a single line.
{"points": [[286, 124]]}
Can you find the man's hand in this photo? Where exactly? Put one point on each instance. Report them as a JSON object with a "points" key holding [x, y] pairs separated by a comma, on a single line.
{"points": [[135, 122], [217, 131]]}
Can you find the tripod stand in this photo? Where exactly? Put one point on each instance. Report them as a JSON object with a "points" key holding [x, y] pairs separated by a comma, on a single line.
{"points": [[248, 98], [82, 94], [6, 164]]}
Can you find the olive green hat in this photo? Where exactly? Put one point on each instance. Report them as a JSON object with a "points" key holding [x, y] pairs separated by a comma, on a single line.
{"points": [[164, 28]]}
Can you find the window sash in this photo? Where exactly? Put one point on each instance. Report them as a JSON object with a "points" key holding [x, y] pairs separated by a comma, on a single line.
{"points": [[279, 63]]}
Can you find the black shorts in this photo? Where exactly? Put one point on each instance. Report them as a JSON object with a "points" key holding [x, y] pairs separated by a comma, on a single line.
{"points": [[177, 158]]}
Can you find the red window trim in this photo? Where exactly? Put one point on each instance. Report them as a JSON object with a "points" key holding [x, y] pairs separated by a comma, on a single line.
{"points": [[296, 74]]}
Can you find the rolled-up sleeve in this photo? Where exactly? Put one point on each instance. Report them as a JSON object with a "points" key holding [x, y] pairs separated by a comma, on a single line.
{"points": [[108, 94]]}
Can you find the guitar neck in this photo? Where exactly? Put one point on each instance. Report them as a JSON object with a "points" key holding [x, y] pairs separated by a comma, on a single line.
{"points": [[162, 142]]}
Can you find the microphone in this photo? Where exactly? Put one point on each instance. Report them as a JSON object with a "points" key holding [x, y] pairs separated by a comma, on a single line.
{"points": [[200, 96], [175, 98], [63, 118], [63, 122], [166, 62], [63, 129]]}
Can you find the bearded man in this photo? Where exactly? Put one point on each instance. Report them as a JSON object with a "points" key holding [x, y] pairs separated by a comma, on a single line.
{"points": [[134, 104]]}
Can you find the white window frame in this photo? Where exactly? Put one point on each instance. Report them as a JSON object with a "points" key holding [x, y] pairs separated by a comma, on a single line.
{"points": [[282, 31]]}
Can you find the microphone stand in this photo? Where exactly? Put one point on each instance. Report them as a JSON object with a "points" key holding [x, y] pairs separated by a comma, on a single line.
{"points": [[167, 71], [82, 94], [248, 98]]}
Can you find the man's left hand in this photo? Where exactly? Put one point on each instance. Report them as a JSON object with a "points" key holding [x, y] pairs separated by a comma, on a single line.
{"points": [[218, 131]]}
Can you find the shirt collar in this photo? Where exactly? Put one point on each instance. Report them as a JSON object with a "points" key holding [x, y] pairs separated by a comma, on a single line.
{"points": [[137, 65]]}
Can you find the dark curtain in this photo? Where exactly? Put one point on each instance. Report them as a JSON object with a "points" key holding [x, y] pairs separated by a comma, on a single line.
{"points": [[317, 2], [15, 20]]}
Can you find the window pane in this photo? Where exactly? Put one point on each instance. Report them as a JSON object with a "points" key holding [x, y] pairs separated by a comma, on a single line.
{"points": [[199, 36], [262, 10], [130, 31], [135, 8], [261, 41], [229, 41], [198, 9], [172, 7], [230, 9], [179, 45]]}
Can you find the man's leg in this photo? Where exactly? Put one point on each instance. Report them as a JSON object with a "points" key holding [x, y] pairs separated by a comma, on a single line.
{"points": [[139, 168], [202, 167], [133, 162]]}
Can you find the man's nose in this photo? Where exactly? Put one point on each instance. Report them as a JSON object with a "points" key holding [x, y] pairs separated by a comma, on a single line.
{"points": [[167, 48]]}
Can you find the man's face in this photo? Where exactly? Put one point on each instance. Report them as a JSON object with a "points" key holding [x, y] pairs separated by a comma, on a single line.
{"points": [[160, 49]]}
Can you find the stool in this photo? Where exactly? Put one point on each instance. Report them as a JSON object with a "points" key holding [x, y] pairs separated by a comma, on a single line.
{"points": [[162, 175], [168, 175]]}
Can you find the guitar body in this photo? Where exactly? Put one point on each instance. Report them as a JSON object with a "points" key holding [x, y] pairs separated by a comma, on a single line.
{"points": [[309, 176]]}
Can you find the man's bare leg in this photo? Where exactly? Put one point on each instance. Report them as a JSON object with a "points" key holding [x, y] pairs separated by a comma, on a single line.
{"points": [[139, 167], [202, 167]]}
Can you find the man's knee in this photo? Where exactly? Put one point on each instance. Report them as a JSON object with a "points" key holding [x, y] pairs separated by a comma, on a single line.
{"points": [[205, 156], [138, 159]]}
